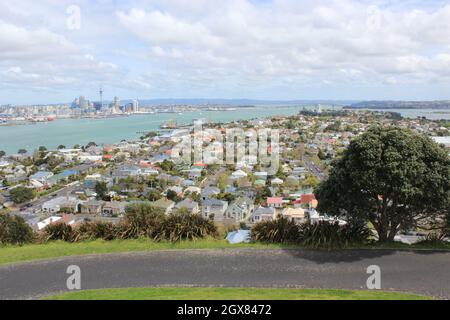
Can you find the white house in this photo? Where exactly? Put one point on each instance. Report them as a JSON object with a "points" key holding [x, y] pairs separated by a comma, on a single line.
{"points": [[55, 205], [240, 209], [239, 174], [262, 214], [276, 182], [214, 208], [295, 214]]}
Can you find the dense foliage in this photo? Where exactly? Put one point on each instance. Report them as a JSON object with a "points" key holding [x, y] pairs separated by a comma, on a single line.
{"points": [[142, 220], [281, 230], [186, 226], [318, 235], [14, 230], [58, 231], [22, 194], [392, 177]]}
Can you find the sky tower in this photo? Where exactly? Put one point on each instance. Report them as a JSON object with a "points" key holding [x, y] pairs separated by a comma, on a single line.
{"points": [[101, 98]]}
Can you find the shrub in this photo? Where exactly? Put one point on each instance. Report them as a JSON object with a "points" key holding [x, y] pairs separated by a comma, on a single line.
{"points": [[434, 239], [322, 235], [95, 230], [185, 226], [58, 231], [141, 220], [355, 232], [14, 230], [281, 230]]}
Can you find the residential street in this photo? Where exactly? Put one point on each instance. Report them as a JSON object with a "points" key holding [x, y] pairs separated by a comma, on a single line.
{"points": [[422, 272]]}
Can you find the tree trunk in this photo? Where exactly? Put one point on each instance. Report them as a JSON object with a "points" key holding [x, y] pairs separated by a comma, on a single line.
{"points": [[382, 233]]}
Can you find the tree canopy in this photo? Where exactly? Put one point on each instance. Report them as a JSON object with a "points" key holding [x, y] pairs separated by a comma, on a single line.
{"points": [[392, 177], [22, 194]]}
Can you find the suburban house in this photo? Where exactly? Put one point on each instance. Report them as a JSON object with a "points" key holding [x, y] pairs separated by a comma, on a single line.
{"points": [[189, 205], [91, 180], [239, 174], [306, 201], [42, 176], [261, 175], [240, 209], [275, 202], [209, 192], [93, 207], [125, 171], [298, 171], [113, 209], [295, 214], [262, 214], [63, 176], [214, 208], [88, 158], [68, 204], [195, 173], [276, 182], [192, 190], [164, 204], [293, 180], [177, 189], [175, 180]]}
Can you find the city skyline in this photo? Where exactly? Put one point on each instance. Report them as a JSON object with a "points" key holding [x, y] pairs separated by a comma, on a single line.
{"points": [[239, 49]]}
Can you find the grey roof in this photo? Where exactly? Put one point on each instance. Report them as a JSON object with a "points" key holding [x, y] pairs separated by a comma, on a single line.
{"points": [[187, 203], [214, 202]]}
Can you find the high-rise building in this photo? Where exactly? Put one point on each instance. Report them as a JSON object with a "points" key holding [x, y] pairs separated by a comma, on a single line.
{"points": [[101, 98], [116, 105], [84, 104], [135, 106]]}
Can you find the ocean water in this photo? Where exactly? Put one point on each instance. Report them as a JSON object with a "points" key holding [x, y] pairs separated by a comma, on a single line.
{"points": [[103, 131]]}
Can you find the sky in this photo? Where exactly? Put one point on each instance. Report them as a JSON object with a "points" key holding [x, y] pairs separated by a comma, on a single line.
{"points": [[55, 50]]}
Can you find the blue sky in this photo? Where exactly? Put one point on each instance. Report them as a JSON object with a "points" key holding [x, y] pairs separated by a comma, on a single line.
{"points": [[258, 49]]}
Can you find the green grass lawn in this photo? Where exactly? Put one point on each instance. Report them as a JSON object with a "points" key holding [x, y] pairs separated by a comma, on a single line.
{"points": [[232, 294], [13, 254]]}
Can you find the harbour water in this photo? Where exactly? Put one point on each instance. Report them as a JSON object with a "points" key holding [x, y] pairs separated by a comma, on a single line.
{"points": [[103, 131], [110, 130]]}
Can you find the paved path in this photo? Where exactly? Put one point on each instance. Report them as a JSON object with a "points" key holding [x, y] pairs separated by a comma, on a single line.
{"points": [[422, 272]]}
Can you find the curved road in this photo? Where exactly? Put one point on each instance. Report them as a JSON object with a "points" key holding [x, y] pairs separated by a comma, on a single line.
{"points": [[422, 272]]}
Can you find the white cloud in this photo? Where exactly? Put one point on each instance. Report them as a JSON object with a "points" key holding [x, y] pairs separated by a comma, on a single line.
{"points": [[289, 38], [180, 48]]}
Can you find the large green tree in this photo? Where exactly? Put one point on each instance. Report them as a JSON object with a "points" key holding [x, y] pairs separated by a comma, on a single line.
{"points": [[101, 189], [22, 194], [14, 230], [392, 177]]}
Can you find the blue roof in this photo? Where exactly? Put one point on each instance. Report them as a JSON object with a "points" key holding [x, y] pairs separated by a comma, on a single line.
{"points": [[68, 173], [41, 174]]}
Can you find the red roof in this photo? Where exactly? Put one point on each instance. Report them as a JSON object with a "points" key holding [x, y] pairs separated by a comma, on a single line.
{"points": [[200, 164], [307, 198], [277, 200]]}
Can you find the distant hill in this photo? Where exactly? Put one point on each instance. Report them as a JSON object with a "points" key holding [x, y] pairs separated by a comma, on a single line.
{"points": [[401, 105]]}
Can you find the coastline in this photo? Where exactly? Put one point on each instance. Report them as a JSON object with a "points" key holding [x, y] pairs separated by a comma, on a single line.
{"points": [[112, 129]]}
